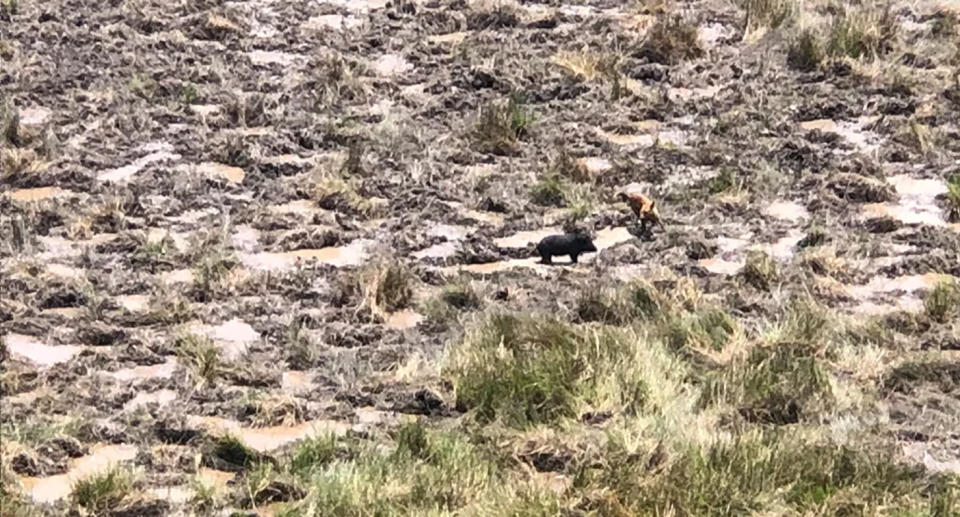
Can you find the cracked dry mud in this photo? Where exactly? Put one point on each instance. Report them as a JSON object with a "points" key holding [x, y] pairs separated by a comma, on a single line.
{"points": [[218, 172]]}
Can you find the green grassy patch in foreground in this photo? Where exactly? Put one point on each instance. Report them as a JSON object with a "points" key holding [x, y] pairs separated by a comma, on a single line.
{"points": [[763, 471], [423, 471], [526, 370]]}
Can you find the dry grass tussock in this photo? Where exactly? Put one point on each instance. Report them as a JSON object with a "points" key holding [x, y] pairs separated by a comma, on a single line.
{"points": [[338, 187], [383, 286], [953, 198], [769, 13], [501, 125], [865, 34], [588, 65], [671, 40], [339, 80], [17, 163]]}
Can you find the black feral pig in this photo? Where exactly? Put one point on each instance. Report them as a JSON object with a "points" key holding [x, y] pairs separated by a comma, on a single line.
{"points": [[572, 244]]}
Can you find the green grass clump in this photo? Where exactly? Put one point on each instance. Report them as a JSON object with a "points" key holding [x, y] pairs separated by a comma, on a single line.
{"points": [[461, 296], [533, 380], [167, 307], [228, 452], [152, 254], [210, 274], [189, 94], [671, 40], [646, 301], [201, 356], [212, 260], [526, 370], [776, 384], [249, 109], [806, 52], [757, 473], [635, 302], [452, 300], [549, 191], [424, 473], [945, 497], [760, 270], [501, 126], [40, 429], [9, 129], [314, 453], [384, 286], [708, 329], [872, 332], [553, 189], [302, 351], [338, 81], [613, 308], [266, 484], [806, 321], [336, 190], [17, 163], [726, 180], [943, 302], [101, 492], [953, 198], [769, 13], [143, 87], [580, 201], [868, 34]]}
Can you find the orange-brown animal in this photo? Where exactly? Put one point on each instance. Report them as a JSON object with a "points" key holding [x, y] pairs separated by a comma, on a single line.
{"points": [[643, 207]]}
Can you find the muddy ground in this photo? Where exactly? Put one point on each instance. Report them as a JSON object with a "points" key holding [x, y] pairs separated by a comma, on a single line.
{"points": [[225, 169]]}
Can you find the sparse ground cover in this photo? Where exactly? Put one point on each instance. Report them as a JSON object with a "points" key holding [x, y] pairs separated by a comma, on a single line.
{"points": [[275, 258]]}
